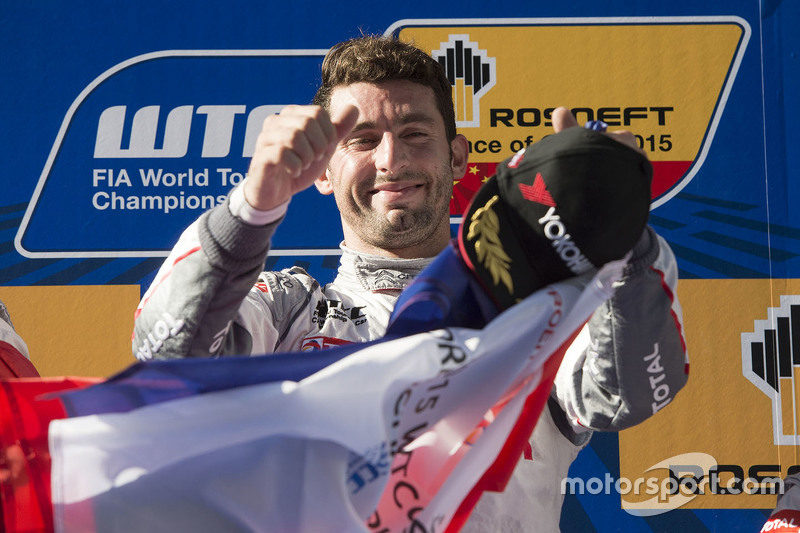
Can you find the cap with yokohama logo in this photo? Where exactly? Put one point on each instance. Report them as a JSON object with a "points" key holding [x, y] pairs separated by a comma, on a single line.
{"points": [[564, 206]]}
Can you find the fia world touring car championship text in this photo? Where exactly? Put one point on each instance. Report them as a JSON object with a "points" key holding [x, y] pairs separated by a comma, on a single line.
{"points": [[116, 189]]}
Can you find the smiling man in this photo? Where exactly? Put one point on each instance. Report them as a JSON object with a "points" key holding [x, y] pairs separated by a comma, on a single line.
{"points": [[381, 138], [393, 175]]}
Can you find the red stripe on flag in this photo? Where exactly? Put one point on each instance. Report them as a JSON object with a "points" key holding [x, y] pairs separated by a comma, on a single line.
{"points": [[24, 453], [496, 477]]}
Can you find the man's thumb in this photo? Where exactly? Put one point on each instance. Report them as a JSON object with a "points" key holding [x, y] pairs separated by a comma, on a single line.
{"points": [[344, 124]]}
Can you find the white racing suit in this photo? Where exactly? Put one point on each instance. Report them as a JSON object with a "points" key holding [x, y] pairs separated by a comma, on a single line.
{"points": [[210, 298]]}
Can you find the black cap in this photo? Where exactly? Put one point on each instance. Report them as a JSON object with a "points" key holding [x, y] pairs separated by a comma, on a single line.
{"points": [[559, 208]]}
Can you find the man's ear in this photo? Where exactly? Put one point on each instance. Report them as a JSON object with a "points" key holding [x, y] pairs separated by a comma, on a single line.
{"points": [[459, 149], [323, 183]]}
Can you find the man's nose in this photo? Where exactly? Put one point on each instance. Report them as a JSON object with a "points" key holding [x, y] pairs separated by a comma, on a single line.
{"points": [[390, 155]]}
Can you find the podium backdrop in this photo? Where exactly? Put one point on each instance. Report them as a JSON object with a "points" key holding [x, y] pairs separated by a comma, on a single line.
{"points": [[122, 123]]}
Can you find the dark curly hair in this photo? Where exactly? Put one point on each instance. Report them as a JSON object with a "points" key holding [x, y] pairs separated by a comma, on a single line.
{"points": [[373, 59]]}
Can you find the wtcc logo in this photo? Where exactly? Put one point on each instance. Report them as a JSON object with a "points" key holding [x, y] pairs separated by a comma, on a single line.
{"points": [[680, 479], [217, 131], [153, 142]]}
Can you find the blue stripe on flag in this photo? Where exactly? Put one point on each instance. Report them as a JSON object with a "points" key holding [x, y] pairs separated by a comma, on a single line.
{"points": [[445, 294], [160, 381]]}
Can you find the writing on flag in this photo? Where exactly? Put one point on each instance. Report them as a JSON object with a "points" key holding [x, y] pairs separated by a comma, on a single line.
{"points": [[381, 439]]}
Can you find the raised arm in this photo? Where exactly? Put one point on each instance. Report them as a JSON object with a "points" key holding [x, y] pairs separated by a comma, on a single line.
{"points": [[631, 359], [192, 309]]}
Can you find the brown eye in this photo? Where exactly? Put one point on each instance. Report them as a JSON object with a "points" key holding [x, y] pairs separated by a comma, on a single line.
{"points": [[360, 141]]}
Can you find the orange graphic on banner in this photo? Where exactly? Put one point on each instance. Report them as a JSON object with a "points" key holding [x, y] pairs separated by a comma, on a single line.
{"points": [[669, 87], [722, 414], [75, 330]]}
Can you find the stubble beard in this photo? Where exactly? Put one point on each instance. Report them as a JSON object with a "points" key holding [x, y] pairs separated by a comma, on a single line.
{"points": [[408, 226]]}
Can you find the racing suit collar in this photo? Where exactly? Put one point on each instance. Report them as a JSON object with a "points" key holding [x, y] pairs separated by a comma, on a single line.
{"points": [[377, 273]]}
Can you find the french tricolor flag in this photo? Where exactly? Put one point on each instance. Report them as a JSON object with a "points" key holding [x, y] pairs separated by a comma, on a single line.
{"points": [[385, 436]]}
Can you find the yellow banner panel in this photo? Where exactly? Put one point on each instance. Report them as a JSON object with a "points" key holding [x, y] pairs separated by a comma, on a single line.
{"points": [[75, 330], [731, 434]]}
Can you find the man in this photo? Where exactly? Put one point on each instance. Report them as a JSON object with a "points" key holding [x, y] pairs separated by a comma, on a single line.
{"points": [[382, 140]]}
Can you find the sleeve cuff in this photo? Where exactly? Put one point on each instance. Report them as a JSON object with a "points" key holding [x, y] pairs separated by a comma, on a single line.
{"points": [[644, 252], [250, 215]]}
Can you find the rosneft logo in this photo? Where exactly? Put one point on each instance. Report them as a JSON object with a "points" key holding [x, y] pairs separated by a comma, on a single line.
{"points": [[509, 75], [471, 72], [770, 358]]}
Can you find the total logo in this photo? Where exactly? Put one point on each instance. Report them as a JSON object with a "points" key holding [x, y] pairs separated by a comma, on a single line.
{"points": [[786, 521]]}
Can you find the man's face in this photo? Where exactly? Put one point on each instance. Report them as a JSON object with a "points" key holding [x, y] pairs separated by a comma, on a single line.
{"points": [[392, 176]]}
